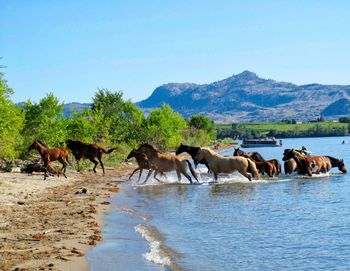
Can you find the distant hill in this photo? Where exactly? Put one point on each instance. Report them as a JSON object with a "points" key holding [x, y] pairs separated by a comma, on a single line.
{"points": [[247, 97], [69, 107], [340, 107]]}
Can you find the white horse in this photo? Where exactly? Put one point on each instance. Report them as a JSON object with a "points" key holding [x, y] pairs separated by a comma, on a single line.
{"points": [[222, 164]]}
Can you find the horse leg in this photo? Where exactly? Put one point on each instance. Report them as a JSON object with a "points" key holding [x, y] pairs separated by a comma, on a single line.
{"points": [[178, 175], [245, 175], [95, 162], [140, 175], [187, 176], [148, 175], [215, 176], [64, 165], [99, 159], [154, 176], [46, 163], [134, 172]]}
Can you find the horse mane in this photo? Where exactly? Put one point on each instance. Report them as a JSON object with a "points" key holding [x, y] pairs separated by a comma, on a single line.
{"points": [[149, 146], [334, 160], [38, 140]]}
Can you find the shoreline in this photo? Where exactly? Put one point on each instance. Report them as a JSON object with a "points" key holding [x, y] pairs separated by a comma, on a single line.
{"points": [[50, 225]]}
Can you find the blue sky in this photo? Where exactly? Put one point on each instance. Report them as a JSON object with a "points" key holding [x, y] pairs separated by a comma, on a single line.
{"points": [[71, 48]]}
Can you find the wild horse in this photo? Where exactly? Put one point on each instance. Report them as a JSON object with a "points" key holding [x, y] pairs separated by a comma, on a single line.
{"points": [[191, 151], [142, 162], [307, 164], [223, 164], [88, 151], [256, 157], [164, 162], [339, 163], [60, 154]]}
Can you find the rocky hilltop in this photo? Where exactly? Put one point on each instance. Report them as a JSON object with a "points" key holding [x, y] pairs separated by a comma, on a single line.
{"points": [[247, 97]]}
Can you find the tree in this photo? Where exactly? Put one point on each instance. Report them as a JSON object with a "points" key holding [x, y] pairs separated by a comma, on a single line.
{"points": [[45, 120], [165, 127], [11, 122], [203, 123], [122, 119]]}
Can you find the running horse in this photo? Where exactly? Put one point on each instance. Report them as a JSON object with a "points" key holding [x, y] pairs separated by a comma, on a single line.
{"points": [[142, 162], [60, 154], [193, 152], [223, 164], [164, 162], [256, 157], [88, 151]]}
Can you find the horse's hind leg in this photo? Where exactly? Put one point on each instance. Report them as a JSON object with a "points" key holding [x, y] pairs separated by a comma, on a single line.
{"points": [[103, 169], [95, 162], [187, 176], [154, 176], [245, 174], [64, 167]]}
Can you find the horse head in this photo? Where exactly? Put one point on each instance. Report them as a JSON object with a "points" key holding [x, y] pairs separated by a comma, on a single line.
{"points": [[33, 146], [288, 154], [238, 152], [181, 149], [341, 166]]}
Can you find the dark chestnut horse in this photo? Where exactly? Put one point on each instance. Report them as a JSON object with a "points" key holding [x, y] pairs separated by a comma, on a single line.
{"points": [[88, 151], [142, 162], [60, 154], [193, 152], [339, 163], [256, 157]]}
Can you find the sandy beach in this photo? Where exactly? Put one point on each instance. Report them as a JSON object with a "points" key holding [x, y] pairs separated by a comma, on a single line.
{"points": [[49, 225]]}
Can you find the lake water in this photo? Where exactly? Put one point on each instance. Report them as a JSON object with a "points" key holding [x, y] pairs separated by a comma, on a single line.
{"points": [[285, 223]]}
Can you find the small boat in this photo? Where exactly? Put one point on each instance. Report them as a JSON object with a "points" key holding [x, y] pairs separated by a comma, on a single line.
{"points": [[254, 143]]}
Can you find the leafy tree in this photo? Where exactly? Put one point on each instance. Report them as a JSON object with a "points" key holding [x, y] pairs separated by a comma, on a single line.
{"points": [[344, 119], [164, 127], [203, 123], [11, 122], [122, 119], [45, 120]]}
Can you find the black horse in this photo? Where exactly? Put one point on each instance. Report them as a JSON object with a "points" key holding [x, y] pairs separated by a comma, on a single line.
{"points": [[339, 163], [193, 152]]}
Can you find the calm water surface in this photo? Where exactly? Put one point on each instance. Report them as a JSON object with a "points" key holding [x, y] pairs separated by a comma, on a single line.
{"points": [[289, 223]]}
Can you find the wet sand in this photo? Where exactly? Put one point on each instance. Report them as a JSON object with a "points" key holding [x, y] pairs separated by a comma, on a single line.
{"points": [[50, 225]]}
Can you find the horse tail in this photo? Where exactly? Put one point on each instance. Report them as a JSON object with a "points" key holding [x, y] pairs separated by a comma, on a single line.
{"points": [[107, 151], [192, 170], [252, 168]]}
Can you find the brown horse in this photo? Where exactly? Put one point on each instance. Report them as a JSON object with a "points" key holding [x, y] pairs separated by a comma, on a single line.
{"points": [[164, 162], [256, 157], [142, 162], [307, 164], [60, 154], [290, 166], [88, 151], [222, 164]]}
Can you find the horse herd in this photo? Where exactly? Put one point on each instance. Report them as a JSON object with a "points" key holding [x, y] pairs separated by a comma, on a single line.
{"points": [[153, 160]]}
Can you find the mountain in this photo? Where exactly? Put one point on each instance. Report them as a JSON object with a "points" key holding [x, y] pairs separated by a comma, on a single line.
{"points": [[70, 107], [247, 97], [338, 108]]}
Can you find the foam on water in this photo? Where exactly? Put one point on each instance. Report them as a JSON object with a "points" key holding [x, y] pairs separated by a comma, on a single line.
{"points": [[159, 253]]}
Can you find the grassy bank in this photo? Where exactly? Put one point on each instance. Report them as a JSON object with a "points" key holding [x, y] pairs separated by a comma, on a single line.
{"points": [[281, 129]]}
